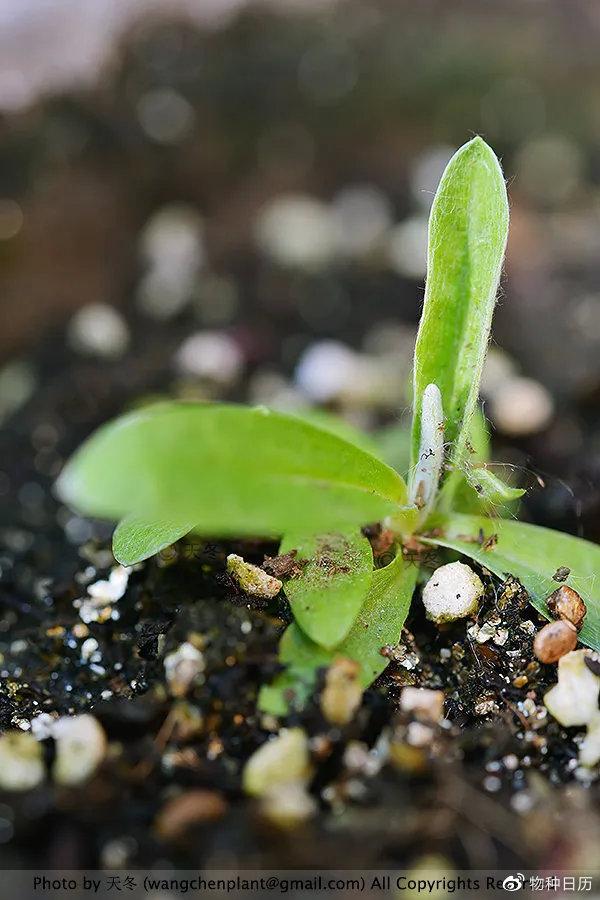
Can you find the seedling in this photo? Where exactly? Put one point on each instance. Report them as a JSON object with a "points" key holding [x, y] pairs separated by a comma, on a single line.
{"points": [[231, 471]]}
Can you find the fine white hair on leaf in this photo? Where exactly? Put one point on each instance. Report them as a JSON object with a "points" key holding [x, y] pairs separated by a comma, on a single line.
{"points": [[426, 473]]}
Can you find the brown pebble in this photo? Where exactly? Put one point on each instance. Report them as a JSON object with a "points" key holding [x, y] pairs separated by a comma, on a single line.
{"points": [[56, 631], [565, 603], [188, 809], [520, 681], [554, 640]]}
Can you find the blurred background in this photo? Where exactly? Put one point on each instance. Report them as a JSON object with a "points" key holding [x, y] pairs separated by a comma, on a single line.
{"points": [[220, 198]]}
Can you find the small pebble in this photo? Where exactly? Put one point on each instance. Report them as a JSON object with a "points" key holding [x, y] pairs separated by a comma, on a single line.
{"points": [[212, 355], [452, 592], [419, 735], [427, 704], [182, 666], [565, 603], [96, 607], [113, 589], [21, 761], [99, 330], [252, 579], [325, 370], [172, 245], [185, 810], [521, 406], [554, 640], [283, 760], [42, 725], [298, 231], [485, 707], [574, 700], [407, 248], [342, 694], [80, 748], [288, 805], [362, 216]]}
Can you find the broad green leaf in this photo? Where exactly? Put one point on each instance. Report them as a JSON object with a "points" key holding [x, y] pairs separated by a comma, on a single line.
{"points": [[378, 624], [468, 228], [532, 554], [231, 470], [328, 595], [135, 539], [327, 421]]}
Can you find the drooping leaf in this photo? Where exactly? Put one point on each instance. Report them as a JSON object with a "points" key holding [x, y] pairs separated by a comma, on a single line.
{"points": [[468, 228], [378, 624], [532, 554], [229, 469], [135, 539], [327, 596]]}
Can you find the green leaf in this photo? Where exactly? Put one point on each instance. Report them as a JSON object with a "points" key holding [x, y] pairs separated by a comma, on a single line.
{"points": [[532, 554], [490, 488], [479, 443], [474, 488], [468, 228], [328, 595], [378, 624], [231, 470], [135, 539], [327, 421]]}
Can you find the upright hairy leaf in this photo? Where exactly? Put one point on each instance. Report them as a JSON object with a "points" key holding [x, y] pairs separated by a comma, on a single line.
{"points": [[468, 228], [532, 554], [230, 470]]}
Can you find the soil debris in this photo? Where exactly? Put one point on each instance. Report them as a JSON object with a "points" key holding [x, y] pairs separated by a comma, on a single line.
{"points": [[286, 565]]}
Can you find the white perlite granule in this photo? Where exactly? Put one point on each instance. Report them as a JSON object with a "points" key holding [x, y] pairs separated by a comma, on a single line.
{"points": [[452, 592]]}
